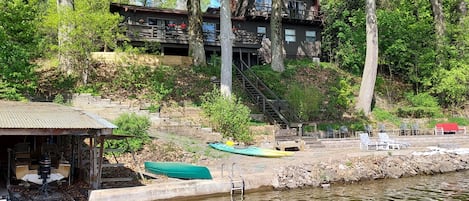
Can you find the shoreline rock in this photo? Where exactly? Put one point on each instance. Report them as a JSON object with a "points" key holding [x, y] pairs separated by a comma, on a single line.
{"points": [[356, 169]]}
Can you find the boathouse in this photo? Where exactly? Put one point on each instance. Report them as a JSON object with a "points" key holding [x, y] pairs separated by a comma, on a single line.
{"points": [[72, 138]]}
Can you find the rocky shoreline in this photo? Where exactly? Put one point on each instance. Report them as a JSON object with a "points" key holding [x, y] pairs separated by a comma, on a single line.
{"points": [[371, 167]]}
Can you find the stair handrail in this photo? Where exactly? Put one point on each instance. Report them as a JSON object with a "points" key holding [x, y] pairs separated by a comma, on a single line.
{"points": [[271, 93], [282, 117]]}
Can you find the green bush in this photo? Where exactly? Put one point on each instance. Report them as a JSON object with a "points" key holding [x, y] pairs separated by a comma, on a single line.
{"points": [[305, 100], [274, 80], [133, 125], [422, 105], [228, 116], [417, 112], [382, 115], [59, 99], [8, 92], [422, 100], [460, 120]]}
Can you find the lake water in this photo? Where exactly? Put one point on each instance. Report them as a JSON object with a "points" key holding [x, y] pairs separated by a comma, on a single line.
{"points": [[450, 186]]}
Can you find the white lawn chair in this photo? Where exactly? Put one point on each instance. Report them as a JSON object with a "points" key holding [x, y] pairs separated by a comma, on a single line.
{"points": [[384, 138], [365, 142]]}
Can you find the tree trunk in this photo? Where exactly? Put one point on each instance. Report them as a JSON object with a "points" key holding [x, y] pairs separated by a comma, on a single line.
{"points": [[196, 42], [462, 9], [371, 60], [226, 37], [276, 36], [65, 57], [440, 27]]}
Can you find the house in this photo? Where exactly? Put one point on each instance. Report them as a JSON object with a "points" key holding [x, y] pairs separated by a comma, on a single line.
{"points": [[302, 24]]}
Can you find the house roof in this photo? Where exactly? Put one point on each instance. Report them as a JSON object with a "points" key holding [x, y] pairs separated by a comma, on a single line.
{"points": [[210, 13], [40, 115]]}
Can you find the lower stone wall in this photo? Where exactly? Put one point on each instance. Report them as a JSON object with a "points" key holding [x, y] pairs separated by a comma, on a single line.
{"points": [[370, 167], [454, 141]]}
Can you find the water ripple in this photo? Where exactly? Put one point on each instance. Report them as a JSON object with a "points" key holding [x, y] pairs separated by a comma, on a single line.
{"points": [[445, 187]]}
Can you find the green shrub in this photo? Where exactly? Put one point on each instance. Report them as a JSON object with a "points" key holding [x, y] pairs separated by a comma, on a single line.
{"points": [[340, 99], [422, 100], [59, 99], [273, 80], [228, 116], [385, 116], [133, 125], [10, 93], [460, 120], [417, 112], [305, 100], [422, 105]]}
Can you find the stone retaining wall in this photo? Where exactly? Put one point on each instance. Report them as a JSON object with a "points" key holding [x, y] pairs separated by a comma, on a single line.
{"points": [[370, 167], [454, 141]]}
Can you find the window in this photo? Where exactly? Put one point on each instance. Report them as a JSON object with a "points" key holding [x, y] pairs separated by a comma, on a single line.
{"points": [[310, 36], [263, 5], [296, 9], [290, 35], [152, 21], [209, 30], [261, 32]]}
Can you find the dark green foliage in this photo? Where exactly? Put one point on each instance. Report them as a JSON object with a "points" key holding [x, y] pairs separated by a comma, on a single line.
{"points": [[459, 120], [306, 100], [421, 105], [59, 99], [212, 69], [382, 115], [19, 40], [273, 80], [417, 112], [227, 115], [153, 83], [130, 124], [408, 52], [52, 81]]}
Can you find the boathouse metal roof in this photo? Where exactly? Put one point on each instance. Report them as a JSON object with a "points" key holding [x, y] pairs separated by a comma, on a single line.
{"points": [[42, 115]]}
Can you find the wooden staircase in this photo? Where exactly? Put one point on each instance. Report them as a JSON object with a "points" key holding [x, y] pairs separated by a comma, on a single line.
{"points": [[276, 110]]}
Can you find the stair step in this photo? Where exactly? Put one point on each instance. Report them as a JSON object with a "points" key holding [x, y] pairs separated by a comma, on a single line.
{"points": [[117, 179], [113, 165]]}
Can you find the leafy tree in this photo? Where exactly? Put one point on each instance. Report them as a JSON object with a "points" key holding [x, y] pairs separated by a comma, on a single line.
{"points": [[130, 124], [19, 40], [84, 27], [228, 115]]}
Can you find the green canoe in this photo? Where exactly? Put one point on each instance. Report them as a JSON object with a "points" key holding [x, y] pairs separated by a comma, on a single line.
{"points": [[250, 151], [178, 170]]}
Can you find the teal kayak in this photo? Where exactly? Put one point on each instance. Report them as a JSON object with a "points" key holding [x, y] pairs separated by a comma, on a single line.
{"points": [[178, 170], [250, 151]]}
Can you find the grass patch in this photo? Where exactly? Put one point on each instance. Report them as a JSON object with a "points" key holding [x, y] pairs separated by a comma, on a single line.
{"points": [[386, 116]]}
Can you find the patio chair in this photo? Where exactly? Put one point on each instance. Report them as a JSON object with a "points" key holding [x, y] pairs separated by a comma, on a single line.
{"points": [[365, 142], [381, 128], [329, 132], [384, 138], [369, 129], [415, 129], [403, 129], [343, 131]]}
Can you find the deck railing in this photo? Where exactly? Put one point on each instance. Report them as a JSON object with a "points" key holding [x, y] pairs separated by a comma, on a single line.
{"points": [[181, 36], [289, 13]]}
